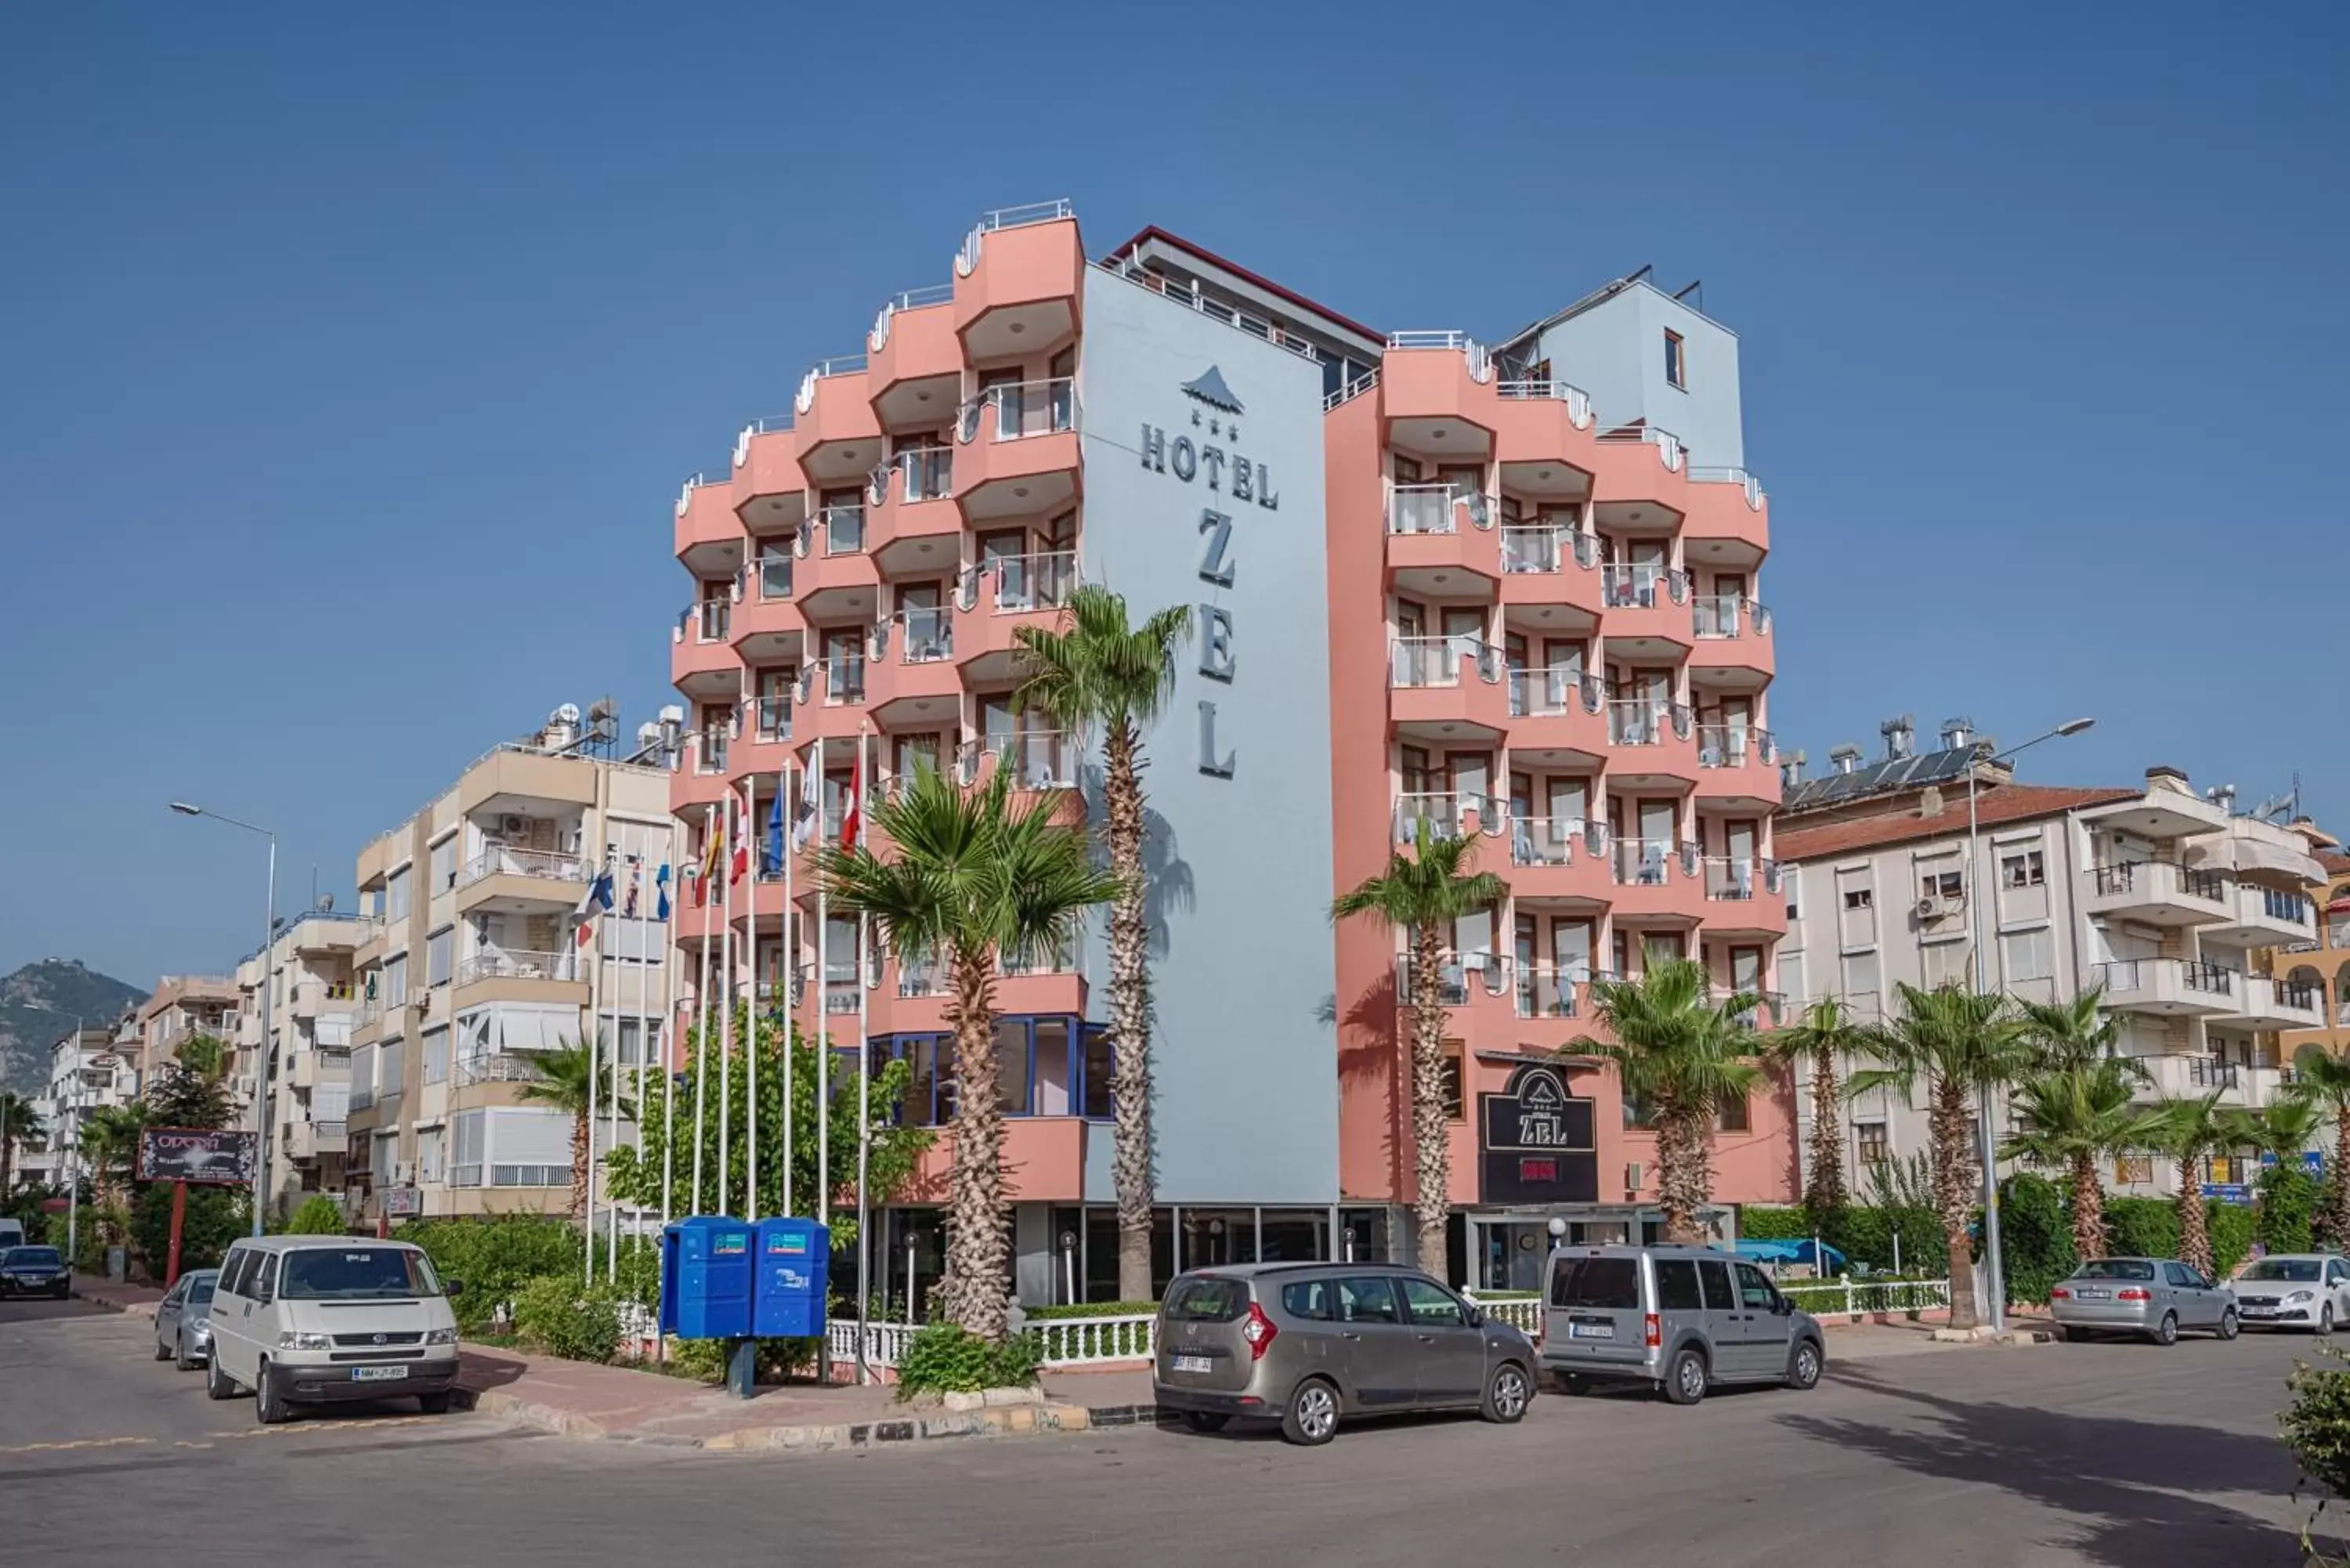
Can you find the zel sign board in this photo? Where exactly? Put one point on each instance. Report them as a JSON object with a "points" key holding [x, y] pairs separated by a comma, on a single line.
{"points": [[1204, 486]]}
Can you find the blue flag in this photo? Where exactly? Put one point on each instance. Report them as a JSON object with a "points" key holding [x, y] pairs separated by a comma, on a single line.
{"points": [[660, 888], [771, 853]]}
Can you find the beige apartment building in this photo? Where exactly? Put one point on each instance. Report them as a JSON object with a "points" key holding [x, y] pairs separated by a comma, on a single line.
{"points": [[313, 1003], [469, 970], [2169, 899], [181, 1007]]}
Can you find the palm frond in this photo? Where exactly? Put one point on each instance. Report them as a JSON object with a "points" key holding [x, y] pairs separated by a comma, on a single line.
{"points": [[1097, 670], [1432, 884]]}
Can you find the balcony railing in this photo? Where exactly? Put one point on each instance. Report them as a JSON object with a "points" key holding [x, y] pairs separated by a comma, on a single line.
{"points": [[509, 964], [710, 748], [771, 716], [923, 975], [2127, 976], [2304, 995], [1577, 400], [706, 620], [775, 573], [1457, 975], [1554, 840], [1037, 759], [843, 675], [1422, 661], [844, 529], [1420, 508], [2210, 1073], [2286, 908], [1548, 990], [1729, 615], [1636, 585], [1446, 812], [1547, 547], [1022, 410], [1041, 581], [1731, 745], [1649, 862], [926, 473], [496, 1067], [1739, 878], [927, 634], [2148, 876], [1559, 689], [505, 860], [1646, 721]]}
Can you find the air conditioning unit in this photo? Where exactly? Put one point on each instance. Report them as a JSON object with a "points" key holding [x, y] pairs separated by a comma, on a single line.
{"points": [[513, 827], [1931, 908]]}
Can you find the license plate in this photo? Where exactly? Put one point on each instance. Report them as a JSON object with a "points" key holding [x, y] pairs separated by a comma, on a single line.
{"points": [[2097, 1296], [1591, 1331], [1191, 1363], [378, 1374]]}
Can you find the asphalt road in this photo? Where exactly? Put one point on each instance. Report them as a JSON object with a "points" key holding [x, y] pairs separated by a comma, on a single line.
{"points": [[2118, 1454]]}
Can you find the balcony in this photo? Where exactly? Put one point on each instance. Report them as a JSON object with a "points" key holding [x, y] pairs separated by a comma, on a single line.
{"points": [[509, 975], [2264, 1003], [1658, 879], [1550, 564], [1646, 609], [1558, 859], [2261, 916], [767, 720], [833, 577], [835, 436], [1019, 278], [1434, 378], [2182, 1076], [1000, 595], [1440, 681], [505, 877], [494, 1067], [770, 489], [2168, 987], [1446, 814], [1039, 761], [914, 359], [701, 664], [1736, 769], [913, 673], [1018, 450], [709, 533], [911, 523], [1558, 709], [313, 997], [1726, 520], [1745, 893], [2157, 893], [1731, 649], [1441, 536], [308, 1139]]}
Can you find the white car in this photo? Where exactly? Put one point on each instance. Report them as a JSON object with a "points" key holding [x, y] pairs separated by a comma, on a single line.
{"points": [[2294, 1290]]}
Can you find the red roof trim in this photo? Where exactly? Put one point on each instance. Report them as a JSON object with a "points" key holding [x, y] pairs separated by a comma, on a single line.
{"points": [[2006, 804], [1153, 232]]}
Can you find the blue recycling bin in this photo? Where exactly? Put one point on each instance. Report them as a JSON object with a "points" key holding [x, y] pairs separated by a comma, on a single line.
{"points": [[788, 1293], [706, 1278]]}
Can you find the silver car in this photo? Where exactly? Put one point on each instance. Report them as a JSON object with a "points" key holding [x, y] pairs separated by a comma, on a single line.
{"points": [[1682, 1320], [2153, 1297], [2295, 1290], [1311, 1344], [183, 1324]]}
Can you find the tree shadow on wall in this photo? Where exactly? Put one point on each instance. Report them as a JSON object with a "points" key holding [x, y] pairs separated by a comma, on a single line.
{"points": [[2122, 1476]]}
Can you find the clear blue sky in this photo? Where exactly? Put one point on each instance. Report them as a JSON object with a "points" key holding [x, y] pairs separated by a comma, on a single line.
{"points": [[331, 335]]}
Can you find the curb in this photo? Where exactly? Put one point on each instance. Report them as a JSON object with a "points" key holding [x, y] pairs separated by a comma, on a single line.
{"points": [[987, 1422], [105, 1304]]}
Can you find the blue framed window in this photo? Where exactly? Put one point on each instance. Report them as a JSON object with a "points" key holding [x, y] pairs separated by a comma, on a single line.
{"points": [[1046, 1064]]}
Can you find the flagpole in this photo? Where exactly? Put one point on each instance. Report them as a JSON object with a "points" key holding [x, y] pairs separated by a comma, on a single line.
{"points": [[580, 941], [790, 848], [701, 1001], [669, 1029], [726, 1009], [864, 1097], [612, 1104], [751, 1025], [824, 1034]]}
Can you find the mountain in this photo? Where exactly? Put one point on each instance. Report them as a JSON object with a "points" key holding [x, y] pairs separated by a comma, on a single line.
{"points": [[43, 1000]]}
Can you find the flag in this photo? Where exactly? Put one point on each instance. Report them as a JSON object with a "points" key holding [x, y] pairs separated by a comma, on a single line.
{"points": [[661, 892], [771, 853], [738, 838], [708, 871], [851, 808], [811, 806], [636, 888], [597, 901]]}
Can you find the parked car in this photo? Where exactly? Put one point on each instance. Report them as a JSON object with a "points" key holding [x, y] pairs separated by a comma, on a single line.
{"points": [[1310, 1345], [2295, 1290], [34, 1271], [305, 1320], [183, 1324], [1682, 1320], [2156, 1297], [12, 1231]]}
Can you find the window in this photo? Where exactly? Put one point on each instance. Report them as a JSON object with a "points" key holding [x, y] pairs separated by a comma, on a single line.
{"points": [[1430, 1305], [1310, 1301], [1945, 964], [2025, 868], [395, 980], [395, 896], [2030, 954], [1638, 1113], [1100, 1076], [436, 1054], [437, 949], [1370, 1300], [1791, 979], [1715, 1276], [1791, 877], [1455, 1102], [1676, 359], [1677, 1285], [263, 1277], [1860, 974], [1734, 1116], [1870, 1145], [1860, 898], [1755, 1290], [444, 865], [233, 1272], [1611, 1285], [1942, 885], [428, 1153]]}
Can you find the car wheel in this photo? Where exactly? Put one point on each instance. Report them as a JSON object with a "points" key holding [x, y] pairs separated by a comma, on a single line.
{"points": [[162, 1351], [2229, 1327], [218, 1384], [1804, 1367], [268, 1404], [1311, 1418], [435, 1404], [1205, 1420], [1507, 1394], [2075, 1334], [181, 1360], [2325, 1318], [2166, 1331], [1685, 1379]]}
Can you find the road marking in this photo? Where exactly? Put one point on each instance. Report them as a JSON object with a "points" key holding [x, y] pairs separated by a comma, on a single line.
{"points": [[77, 1443], [210, 1438]]}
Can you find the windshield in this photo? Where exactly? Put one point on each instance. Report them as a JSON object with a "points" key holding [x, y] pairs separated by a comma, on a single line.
{"points": [[358, 1273], [34, 1257], [2116, 1269], [200, 1290], [2300, 1270]]}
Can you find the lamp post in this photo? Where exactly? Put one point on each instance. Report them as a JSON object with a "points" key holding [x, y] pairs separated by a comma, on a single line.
{"points": [[262, 1121], [1995, 1277]]}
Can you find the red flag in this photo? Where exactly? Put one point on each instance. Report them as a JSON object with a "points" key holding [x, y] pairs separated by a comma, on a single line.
{"points": [[741, 861], [851, 808]]}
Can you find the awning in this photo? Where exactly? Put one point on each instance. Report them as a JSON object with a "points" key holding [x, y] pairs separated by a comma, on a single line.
{"points": [[2257, 861], [1790, 1252]]}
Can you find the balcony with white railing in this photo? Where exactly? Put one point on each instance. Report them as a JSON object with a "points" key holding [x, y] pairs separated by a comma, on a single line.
{"points": [[1447, 681], [921, 634], [1724, 617], [1430, 662], [1446, 814], [1734, 746], [698, 651], [523, 975], [1576, 401], [2168, 987], [1545, 989], [1036, 760], [843, 526], [1419, 509], [1642, 585], [1539, 549], [1741, 879], [1022, 410], [1652, 862], [563, 872], [1647, 722], [1554, 692], [495, 1067], [1038, 581], [709, 745], [1558, 858], [2263, 1002], [2157, 893], [770, 717]]}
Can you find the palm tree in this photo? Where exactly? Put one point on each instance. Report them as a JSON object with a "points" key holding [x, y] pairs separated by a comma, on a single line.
{"points": [[2072, 1034], [1826, 1037], [109, 1150], [2074, 1119], [2186, 1128], [568, 1081], [2321, 1080], [1422, 893], [970, 876], [1103, 674], [1958, 1044], [19, 1123], [1685, 1058]]}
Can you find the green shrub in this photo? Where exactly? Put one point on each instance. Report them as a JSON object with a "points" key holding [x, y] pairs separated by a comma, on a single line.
{"points": [[495, 1257], [216, 1216], [2232, 1227], [557, 1315], [2036, 1236], [2316, 1424], [318, 1216], [2289, 1197], [703, 1360], [1772, 1222], [2142, 1227], [941, 1358], [1091, 1308]]}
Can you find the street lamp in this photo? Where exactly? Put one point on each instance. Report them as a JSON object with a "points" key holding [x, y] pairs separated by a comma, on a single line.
{"points": [[1995, 1278], [262, 1123]]}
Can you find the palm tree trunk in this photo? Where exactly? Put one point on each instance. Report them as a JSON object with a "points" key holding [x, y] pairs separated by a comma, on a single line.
{"points": [[2088, 1208], [979, 1255], [1431, 1147], [581, 1155], [1825, 1193], [1953, 1127], [1684, 1172], [1129, 982], [2336, 1215], [2194, 1225]]}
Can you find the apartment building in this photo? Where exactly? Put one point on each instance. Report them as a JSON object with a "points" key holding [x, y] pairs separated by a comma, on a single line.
{"points": [[181, 1007], [2167, 900], [313, 1002], [90, 1069], [1434, 580], [469, 968], [2321, 960]]}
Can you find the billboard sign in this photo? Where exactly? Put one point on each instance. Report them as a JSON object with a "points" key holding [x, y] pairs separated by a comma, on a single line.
{"points": [[209, 1155], [1536, 1142]]}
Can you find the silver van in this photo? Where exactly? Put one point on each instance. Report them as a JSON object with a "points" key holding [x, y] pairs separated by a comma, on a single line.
{"points": [[1309, 1344], [1679, 1319], [304, 1320]]}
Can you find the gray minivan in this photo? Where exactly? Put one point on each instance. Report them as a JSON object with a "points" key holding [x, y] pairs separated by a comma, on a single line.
{"points": [[1306, 1344], [1679, 1319]]}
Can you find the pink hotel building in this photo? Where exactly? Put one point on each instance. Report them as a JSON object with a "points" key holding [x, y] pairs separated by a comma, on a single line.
{"points": [[1510, 590]]}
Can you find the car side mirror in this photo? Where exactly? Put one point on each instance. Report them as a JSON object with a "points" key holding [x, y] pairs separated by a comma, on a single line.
{"points": [[1782, 1307], [1476, 1316], [452, 1287]]}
